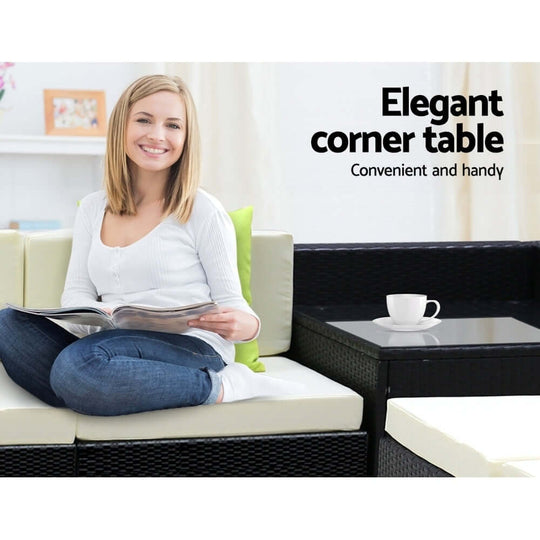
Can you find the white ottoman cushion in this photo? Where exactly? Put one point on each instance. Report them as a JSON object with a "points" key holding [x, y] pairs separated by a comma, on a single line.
{"points": [[467, 436], [522, 468]]}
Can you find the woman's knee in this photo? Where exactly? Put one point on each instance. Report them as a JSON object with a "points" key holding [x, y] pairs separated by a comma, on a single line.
{"points": [[73, 379]]}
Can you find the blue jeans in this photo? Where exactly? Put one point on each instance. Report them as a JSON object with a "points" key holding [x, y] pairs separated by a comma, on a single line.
{"points": [[110, 372]]}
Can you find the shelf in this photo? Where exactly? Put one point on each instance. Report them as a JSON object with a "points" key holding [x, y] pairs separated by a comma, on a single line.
{"points": [[51, 144]]}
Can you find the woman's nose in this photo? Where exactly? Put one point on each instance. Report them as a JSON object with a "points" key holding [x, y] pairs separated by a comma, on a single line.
{"points": [[157, 133]]}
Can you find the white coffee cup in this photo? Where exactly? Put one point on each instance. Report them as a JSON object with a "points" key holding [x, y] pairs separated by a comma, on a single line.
{"points": [[408, 309]]}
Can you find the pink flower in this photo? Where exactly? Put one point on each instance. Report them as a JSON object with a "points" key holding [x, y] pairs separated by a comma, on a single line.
{"points": [[5, 78]]}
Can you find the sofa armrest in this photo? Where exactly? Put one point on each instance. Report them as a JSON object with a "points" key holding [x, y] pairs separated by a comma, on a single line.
{"points": [[11, 267]]}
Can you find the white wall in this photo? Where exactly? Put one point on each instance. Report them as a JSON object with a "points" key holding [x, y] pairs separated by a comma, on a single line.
{"points": [[321, 200], [328, 203]]}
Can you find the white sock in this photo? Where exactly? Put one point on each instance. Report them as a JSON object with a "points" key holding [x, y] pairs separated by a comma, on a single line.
{"points": [[240, 382]]}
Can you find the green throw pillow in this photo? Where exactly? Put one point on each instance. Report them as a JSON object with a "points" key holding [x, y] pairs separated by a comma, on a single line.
{"points": [[246, 353]]}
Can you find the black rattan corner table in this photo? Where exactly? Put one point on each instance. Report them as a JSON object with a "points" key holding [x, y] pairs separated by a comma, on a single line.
{"points": [[458, 357]]}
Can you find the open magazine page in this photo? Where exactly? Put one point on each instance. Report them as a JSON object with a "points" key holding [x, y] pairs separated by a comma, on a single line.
{"points": [[172, 320], [90, 316]]}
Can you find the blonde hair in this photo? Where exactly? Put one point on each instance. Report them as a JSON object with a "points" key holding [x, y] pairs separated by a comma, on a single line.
{"points": [[184, 174]]}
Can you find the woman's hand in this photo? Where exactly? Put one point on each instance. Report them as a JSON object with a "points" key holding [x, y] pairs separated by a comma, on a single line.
{"points": [[229, 323]]}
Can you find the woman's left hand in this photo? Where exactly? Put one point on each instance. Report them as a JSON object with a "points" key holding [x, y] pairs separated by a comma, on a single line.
{"points": [[229, 323]]}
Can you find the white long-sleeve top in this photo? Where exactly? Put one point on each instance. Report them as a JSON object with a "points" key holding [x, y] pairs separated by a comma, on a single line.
{"points": [[174, 264]]}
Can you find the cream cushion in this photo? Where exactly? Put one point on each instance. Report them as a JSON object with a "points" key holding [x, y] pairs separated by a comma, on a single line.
{"points": [[47, 257], [24, 419], [11, 267], [272, 255], [324, 406], [522, 468], [467, 436]]}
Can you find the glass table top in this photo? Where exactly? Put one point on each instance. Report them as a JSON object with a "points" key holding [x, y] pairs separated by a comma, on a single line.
{"points": [[457, 332]]}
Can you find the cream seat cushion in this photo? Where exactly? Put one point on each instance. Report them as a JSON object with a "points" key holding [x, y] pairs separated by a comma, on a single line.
{"points": [[467, 436], [24, 419], [324, 406]]}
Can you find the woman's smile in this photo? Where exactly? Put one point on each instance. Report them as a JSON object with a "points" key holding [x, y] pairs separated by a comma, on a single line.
{"points": [[153, 150]]}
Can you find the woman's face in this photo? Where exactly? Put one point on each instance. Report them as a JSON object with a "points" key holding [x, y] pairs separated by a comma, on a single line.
{"points": [[156, 131]]}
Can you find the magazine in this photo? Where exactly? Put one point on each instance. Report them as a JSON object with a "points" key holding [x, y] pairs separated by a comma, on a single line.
{"points": [[169, 319]]}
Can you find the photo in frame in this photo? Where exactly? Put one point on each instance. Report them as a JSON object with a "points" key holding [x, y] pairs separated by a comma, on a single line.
{"points": [[75, 112]]}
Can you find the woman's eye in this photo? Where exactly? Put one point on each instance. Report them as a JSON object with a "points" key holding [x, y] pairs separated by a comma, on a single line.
{"points": [[174, 126], [142, 120]]}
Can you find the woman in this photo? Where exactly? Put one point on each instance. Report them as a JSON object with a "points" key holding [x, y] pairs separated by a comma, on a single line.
{"points": [[151, 237]]}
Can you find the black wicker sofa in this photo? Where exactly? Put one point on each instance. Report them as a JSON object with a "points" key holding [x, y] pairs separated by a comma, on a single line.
{"points": [[345, 282]]}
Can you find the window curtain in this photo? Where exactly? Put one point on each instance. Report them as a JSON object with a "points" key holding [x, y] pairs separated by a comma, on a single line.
{"points": [[236, 110], [483, 207]]}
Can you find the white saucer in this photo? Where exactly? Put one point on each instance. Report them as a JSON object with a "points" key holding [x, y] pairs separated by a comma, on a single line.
{"points": [[424, 324]]}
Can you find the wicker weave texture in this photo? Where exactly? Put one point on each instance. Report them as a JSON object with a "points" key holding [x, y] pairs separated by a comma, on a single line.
{"points": [[498, 375], [333, 274], [37, 460], [396, 460], [328, 454], [323, 454]]}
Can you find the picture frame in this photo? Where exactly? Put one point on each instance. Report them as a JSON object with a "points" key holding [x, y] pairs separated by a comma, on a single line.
{"points": [[75, 112]]}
